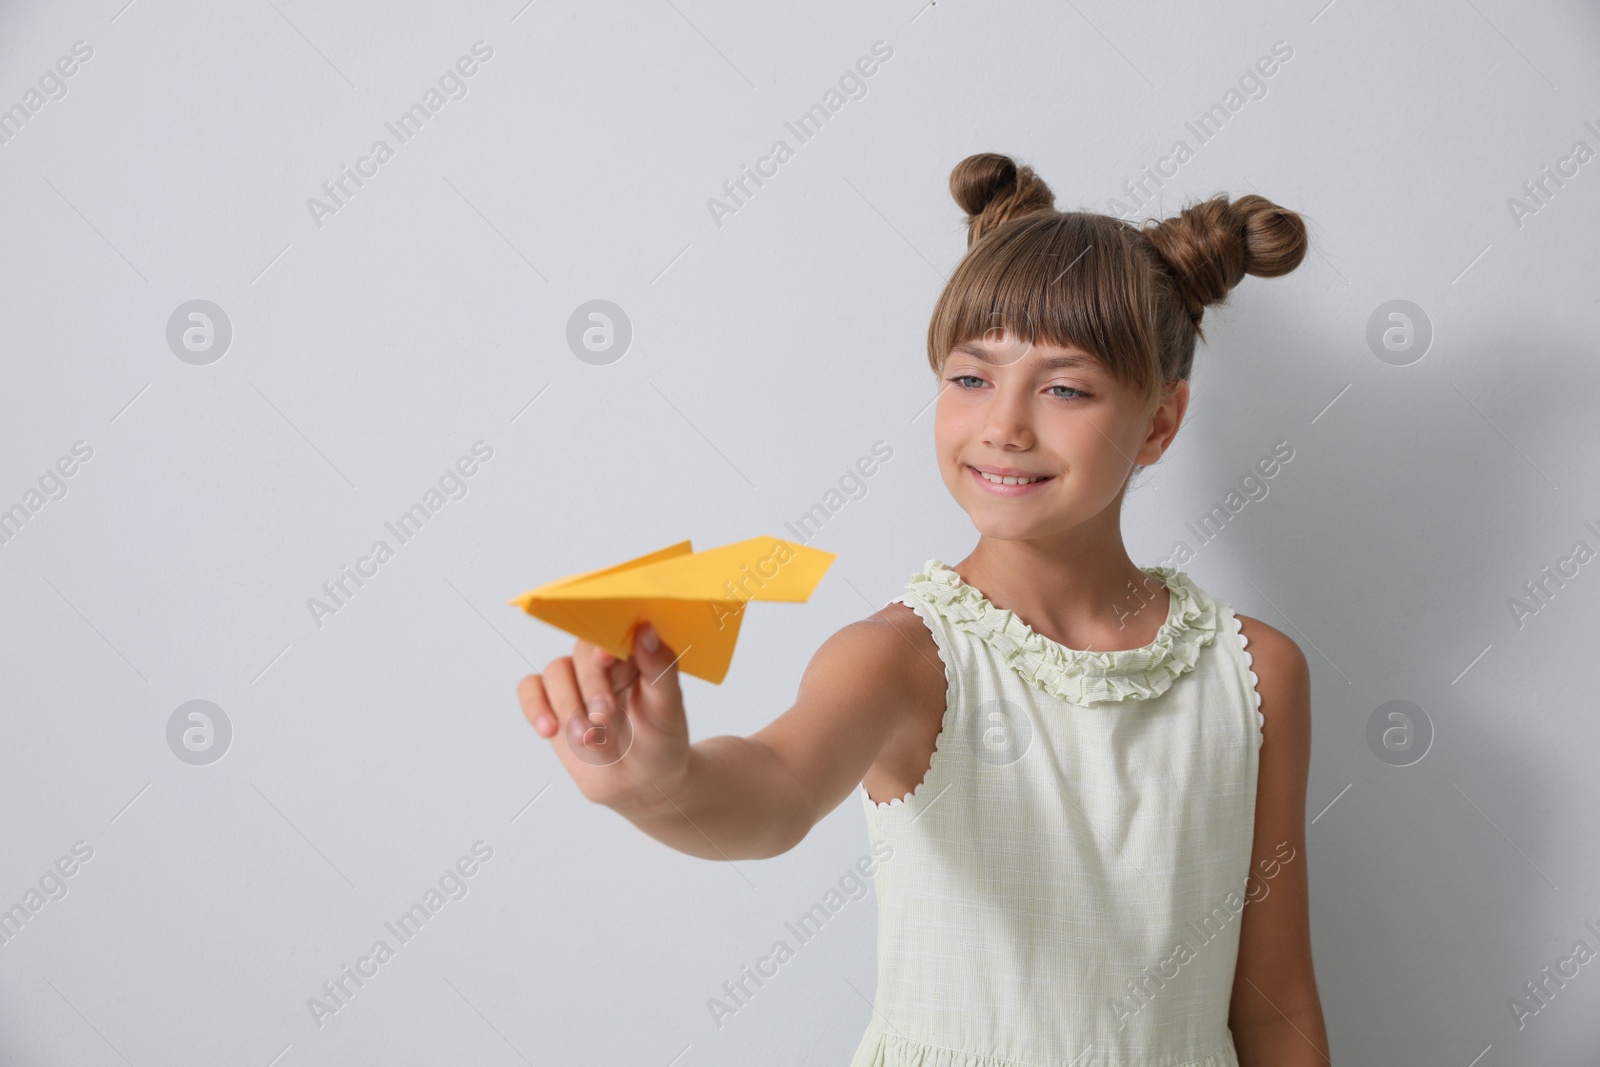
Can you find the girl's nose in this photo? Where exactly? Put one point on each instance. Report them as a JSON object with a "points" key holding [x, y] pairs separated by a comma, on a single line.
{"points": [[1007, 422]]}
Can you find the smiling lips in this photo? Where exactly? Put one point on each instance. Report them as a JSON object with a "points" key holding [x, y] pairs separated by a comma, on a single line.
{"points": [[1008, 481]]}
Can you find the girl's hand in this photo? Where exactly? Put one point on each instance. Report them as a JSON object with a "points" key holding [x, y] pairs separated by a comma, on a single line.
{"points": [[618, 725]]}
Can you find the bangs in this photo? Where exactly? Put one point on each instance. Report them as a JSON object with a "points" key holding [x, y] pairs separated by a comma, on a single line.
{"points": [[1066, 279]]}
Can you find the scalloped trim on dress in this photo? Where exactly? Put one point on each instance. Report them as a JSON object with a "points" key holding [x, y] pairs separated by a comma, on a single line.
{"points": [[944, 718], [1255, 691], [1081, 677]]}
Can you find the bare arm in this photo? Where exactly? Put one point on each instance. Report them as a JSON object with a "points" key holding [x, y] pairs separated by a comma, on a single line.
{"points": [[737, 801], [1275, 1014], [730, 797]]}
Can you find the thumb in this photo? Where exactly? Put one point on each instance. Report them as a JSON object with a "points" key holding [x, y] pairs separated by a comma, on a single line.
{"points": [[656, 691]]}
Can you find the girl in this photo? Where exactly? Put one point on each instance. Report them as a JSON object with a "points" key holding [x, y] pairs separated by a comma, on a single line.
{"points": [[1089, 797]]}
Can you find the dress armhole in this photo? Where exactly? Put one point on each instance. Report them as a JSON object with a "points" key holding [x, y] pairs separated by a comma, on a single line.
{"points": [[939, 638], [1255, 691]]}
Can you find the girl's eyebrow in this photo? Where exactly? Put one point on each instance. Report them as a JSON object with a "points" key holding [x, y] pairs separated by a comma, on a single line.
{"points": [[977, 351]]}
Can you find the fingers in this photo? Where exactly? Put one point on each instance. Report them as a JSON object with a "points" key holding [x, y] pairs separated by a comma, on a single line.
{"points": [[659, 696], [536, 705], [622, 672], [592, 684], [590, 664], [559, 685]]}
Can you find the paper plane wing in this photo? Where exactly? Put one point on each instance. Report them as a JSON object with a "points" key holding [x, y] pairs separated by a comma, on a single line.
{"points": [[695, 600]]}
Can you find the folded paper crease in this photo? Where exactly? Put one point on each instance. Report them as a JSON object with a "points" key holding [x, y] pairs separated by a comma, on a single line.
{"points": [[695, 600]]}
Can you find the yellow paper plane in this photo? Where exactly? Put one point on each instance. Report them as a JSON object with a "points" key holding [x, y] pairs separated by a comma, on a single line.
{"points": [[695, 600]]}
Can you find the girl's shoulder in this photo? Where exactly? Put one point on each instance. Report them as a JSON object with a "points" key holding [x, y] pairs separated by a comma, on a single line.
{"points": [[912, 655], [1283, 677], [891, 648], [907, 645]]}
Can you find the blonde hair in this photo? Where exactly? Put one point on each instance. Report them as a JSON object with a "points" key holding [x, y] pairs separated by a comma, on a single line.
{"points": [[1131, 296]]}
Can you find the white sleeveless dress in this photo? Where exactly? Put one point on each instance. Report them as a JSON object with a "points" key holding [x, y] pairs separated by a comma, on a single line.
{"points": [[1065, 886]]}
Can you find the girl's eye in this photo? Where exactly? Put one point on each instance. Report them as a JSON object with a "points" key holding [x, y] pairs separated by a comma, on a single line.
{"points": [[961, 379]]}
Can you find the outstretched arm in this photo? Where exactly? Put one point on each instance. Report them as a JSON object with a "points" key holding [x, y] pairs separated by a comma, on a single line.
{"points": [[730, 797], [1275, 1014]]}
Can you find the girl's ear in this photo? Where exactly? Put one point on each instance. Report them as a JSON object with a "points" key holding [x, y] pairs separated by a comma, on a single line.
{"points": [[1165, 420], [1179, 398]]}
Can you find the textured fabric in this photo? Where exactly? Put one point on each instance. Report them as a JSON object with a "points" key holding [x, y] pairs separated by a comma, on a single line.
{"points": [[1065, 884]]}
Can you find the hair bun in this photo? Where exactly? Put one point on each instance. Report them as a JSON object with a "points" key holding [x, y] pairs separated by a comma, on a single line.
{"points": [[992, 188], [1210, 246]]}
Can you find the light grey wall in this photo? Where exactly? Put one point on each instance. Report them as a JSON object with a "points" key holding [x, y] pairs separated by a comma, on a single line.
{"points": [[372, 748]]}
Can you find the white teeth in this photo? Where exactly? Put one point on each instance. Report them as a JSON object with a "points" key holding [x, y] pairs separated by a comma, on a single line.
{"points": [[995, 478]]}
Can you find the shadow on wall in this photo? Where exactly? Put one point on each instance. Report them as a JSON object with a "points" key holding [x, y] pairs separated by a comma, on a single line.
{"points": [[1433, 885]]}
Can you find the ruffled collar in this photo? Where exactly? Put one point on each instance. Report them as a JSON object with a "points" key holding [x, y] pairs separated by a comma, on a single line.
{"points": [[1078, 676]]}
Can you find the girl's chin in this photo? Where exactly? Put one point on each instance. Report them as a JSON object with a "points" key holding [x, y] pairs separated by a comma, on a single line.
{"points": [[1009, 527]]}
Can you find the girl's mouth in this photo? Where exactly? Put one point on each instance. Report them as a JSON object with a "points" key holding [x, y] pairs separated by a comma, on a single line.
{"points": [[1019, 487]]}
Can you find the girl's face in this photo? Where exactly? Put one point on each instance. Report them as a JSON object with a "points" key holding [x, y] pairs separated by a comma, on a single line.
{"points": [[1041, 412]]}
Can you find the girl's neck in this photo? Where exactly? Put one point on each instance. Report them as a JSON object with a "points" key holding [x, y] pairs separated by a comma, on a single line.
{"points": [[1089, 597]]}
